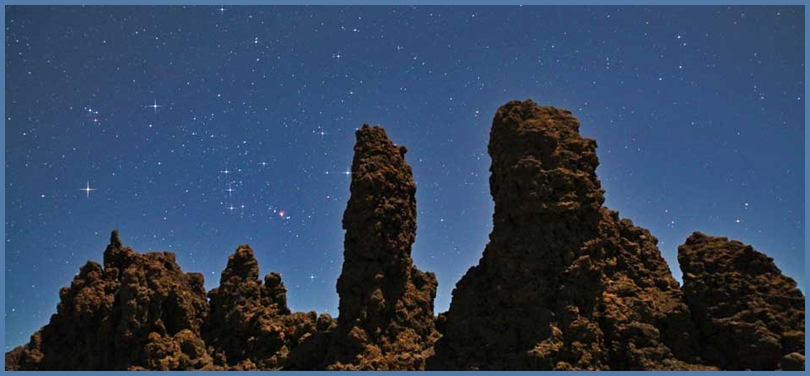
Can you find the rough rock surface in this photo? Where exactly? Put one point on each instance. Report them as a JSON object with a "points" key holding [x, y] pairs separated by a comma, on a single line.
{"points": [[750, 315], [138, 311], [250, 326], [386, 303], [563, 283]]}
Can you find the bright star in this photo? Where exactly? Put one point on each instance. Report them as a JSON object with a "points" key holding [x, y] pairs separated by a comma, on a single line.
{"points": [[87, 189], [347, 173], [155, 106]]}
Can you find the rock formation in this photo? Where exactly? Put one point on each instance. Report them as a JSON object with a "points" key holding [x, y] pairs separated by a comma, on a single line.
{"points": [[250, 326], [386, 303], [563, 283], [750, 315], [138, 311]]}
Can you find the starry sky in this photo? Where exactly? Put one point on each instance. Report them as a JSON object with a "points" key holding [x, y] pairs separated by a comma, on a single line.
{"points": [[194, 129]]}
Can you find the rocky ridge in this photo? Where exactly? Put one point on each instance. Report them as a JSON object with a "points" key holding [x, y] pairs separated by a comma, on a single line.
{"points": [[138, 311], [564, 284]]}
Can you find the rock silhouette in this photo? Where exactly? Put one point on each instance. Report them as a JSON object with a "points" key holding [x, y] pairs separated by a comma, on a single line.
{"points": [[386, 303], [564, 284], [250, 326], [750, 315], [138, 311]]}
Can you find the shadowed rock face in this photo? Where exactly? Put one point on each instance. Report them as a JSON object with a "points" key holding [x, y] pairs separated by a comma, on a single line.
{"points": [[386, 303], [563, 283], [750, 315], [139, 311], [250, 326]]}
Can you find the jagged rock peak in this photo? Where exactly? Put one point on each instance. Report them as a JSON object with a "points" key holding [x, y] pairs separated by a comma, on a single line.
{"points": [[138, 312], [115, 240], [563, 283], [386, 303], [750, 315], [116, 255], [540, 146], [250, 326], [242, 264], [380, 218]]}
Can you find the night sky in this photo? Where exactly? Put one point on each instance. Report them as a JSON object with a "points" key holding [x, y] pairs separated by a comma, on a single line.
{"points": [[196, 129]]}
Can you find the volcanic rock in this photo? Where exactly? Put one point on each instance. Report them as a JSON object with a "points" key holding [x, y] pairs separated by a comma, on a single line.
{"points": [[750, 315], [386, 303], [250, 326], [138, 311], [563, 283]]}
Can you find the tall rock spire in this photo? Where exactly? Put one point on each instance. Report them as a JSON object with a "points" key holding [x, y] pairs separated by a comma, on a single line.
{"points": [[563, 283], [386, 303]]}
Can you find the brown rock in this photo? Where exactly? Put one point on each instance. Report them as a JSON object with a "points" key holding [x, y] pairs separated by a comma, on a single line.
{"points": [[138, 311], [750, 315], [386, 303], [793, 362], [563, 283], [250, 326]]}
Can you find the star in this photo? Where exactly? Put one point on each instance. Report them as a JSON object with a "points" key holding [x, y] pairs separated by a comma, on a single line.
{"points": [[221, 10], [87, 189], [155, 105], [312, 277]]}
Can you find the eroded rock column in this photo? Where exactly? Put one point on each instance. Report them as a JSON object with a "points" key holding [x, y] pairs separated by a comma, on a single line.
{"points": [[563, 283], [386, 303]]}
